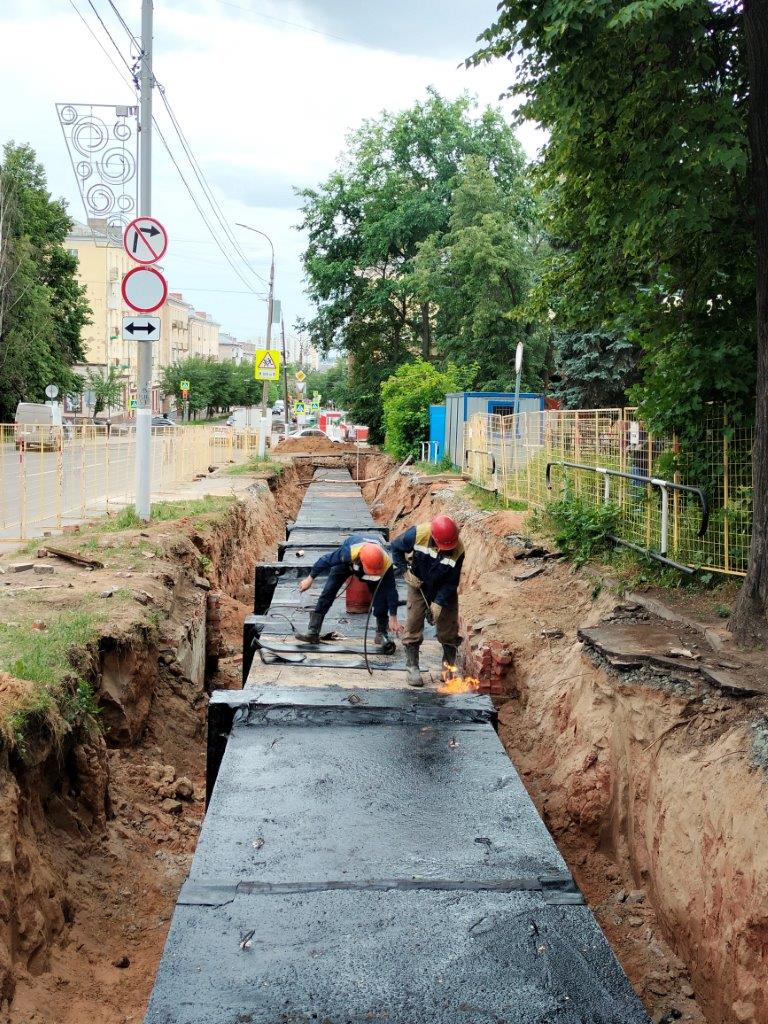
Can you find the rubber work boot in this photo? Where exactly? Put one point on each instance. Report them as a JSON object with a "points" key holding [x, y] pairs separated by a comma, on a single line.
{"points": [[450, 653], [382, 638], [413, 672], [312, 635]]}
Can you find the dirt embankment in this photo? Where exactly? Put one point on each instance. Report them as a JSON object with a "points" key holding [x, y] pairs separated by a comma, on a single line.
{"points": [[645, 779], [98, 825]]}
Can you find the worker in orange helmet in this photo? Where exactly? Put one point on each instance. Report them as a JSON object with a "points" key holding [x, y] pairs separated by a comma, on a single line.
{"points": [[430, 555], [368, 559]]}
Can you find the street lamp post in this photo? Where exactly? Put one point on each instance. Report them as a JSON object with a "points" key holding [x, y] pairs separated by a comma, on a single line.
{"points": [[270, 304]]}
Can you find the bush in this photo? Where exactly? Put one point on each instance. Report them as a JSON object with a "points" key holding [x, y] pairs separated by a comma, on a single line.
{"points": [[407, 395], [581, 528]]}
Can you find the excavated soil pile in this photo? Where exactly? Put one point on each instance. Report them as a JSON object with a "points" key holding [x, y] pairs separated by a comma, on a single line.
{"points": [[97, 830], [314, 446], [645, 748]]}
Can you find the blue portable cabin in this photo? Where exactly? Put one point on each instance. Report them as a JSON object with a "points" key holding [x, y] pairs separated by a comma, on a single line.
{"points": [[460, 406], [436, 432]]}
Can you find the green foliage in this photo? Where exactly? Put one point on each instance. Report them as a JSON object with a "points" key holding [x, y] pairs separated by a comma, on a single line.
{"points": [[215, 386], [42, 307], [107, 391], [406, 397], [644, 184], [582, 529], [332, 384], [396, 192], [477, 275], [595, 369], [256, 464]]}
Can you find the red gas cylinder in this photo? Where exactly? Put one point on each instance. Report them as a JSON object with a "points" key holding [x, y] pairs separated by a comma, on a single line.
{"points": [[358, 596]]}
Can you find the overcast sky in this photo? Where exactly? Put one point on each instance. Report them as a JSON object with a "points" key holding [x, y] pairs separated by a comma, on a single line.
{"points": [[265, 93]]}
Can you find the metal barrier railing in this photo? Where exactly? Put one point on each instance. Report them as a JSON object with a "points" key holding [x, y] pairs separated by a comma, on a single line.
{"points": [[484, 453], [664, 487]]}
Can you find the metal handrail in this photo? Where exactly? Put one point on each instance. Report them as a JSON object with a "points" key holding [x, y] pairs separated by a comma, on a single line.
{"points": [[481, 451], [665, 486]]}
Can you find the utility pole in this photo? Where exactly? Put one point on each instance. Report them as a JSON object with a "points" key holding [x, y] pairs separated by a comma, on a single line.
{"points": [[285, 377], [270, 305], [144, 362]]}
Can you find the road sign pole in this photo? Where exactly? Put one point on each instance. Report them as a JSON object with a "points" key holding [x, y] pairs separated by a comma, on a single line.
{"points": [[144, 362]]}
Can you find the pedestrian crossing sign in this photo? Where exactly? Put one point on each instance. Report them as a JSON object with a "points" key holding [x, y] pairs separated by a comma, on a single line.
{"points": [[266, 365], [299, 408], [314, 407]]}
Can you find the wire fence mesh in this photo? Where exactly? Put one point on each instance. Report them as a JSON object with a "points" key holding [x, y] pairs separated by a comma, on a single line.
{"points": [[510, 454], [51, 476]]}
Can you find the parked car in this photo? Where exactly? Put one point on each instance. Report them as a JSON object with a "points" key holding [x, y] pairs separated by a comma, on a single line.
{"points": [[311, 432], [40, 425], [278, 408], [162, 422]]}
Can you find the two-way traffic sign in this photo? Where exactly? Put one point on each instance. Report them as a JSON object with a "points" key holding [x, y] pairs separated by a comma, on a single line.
{"points": [[141, 328], [145, 240]]}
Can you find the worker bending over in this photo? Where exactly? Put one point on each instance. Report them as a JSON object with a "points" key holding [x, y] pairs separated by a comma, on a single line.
{"points": [[431, 556], [368, 560]]}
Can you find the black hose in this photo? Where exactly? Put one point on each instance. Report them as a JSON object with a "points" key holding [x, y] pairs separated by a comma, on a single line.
{"points": [[367, 622]]}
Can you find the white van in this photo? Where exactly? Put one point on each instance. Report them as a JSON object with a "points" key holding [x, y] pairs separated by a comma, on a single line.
{"points": [[41, 426]]}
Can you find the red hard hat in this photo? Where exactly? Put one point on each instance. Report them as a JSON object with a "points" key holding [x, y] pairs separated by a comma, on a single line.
{"points": [[445, 533], [372, 559]]}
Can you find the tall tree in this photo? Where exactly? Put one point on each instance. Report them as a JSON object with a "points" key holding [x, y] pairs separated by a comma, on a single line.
{"points": [[367, 222], [644, 184], [42, 306], [477, 275], [750, 615]]}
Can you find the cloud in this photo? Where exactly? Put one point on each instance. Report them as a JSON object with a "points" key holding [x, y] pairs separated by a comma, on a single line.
{"points": [[264, 105]]}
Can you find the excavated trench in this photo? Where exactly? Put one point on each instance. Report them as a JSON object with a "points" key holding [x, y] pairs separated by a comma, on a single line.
{"points": [[97, 830], [646, 777], [646, 785]]}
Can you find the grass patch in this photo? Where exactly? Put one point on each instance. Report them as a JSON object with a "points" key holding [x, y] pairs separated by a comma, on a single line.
{"points": [[43, 658], [164, 511], [257, 464], [445, 467], [488, 501]]}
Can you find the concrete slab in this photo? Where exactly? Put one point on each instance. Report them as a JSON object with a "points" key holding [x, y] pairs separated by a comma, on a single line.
{"points": [[362, 800], [397, 957]]}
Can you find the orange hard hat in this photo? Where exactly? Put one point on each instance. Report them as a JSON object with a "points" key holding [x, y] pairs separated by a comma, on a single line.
{"points": [[372, 559], [445, 533]]}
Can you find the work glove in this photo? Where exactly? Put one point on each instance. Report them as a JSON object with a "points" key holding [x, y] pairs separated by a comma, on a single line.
{"points": [[411, 580], [435, 611], [394, 625]]}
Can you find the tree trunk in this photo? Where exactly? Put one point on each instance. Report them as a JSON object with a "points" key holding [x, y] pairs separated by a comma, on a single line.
{"points": [[750, 620], [426, 331]]}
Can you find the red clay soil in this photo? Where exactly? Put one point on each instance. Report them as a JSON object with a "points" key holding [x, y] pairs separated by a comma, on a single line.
{"points": [[313, 446], [95, 850], [646, 782]]}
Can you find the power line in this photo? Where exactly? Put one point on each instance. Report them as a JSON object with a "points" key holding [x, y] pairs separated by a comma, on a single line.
{"points": [[194, 163], [291, 24], [131, 72], [99, 43]]}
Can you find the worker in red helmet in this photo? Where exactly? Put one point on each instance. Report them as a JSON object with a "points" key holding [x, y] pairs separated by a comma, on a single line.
{"points": [[430, 555], [369, 560]]}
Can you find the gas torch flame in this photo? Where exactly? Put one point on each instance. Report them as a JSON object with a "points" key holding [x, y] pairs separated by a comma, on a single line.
{"points": [[454, 682]]}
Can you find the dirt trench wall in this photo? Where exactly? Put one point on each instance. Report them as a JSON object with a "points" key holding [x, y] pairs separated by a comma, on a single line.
{"points": [[56, 806], [676, 807]]}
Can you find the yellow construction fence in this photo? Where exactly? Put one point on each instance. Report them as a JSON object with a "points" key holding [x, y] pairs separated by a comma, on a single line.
{"points": [[510, 454], [52, 476]]}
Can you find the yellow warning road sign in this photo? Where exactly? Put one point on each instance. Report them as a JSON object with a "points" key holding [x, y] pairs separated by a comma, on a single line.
{"points": [[266, 365]]}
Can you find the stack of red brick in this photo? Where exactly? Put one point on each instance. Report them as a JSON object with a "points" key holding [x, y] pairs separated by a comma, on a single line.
{"points": [[490, 662]]}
